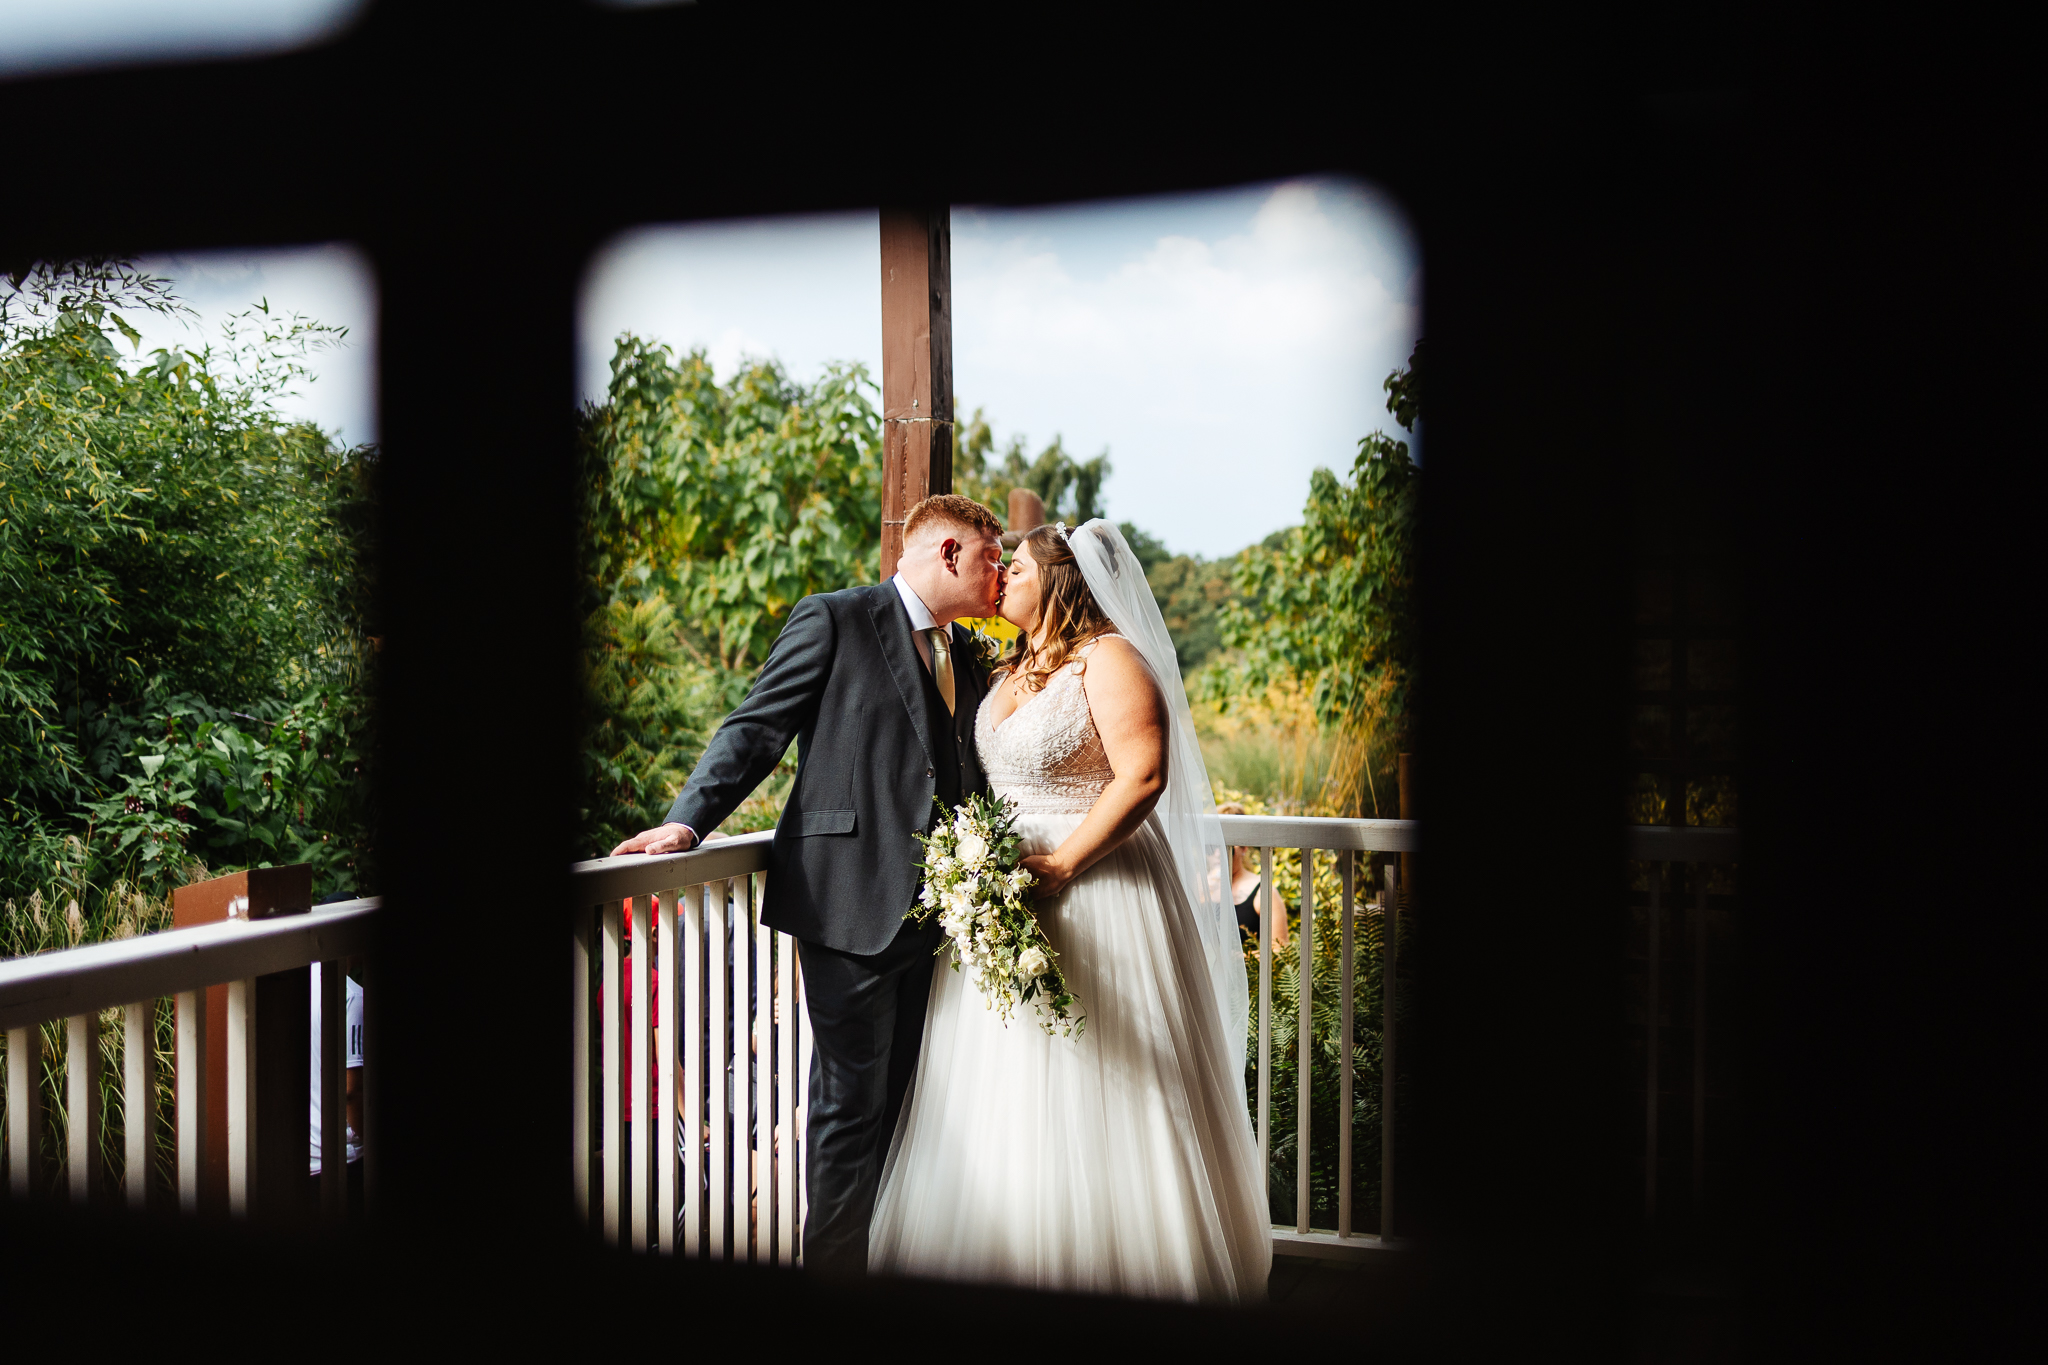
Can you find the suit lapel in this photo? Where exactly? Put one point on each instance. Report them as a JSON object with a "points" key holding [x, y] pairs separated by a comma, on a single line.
{"points": [[892, 632]]}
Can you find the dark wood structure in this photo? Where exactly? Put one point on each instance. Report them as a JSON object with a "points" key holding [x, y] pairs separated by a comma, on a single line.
{"points": [[284, 1044], [917, 365], [1748, 249]]}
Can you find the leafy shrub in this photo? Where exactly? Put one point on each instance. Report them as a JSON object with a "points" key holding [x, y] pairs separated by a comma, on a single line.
{"points": [[709, 511], [175, 558], [1330, 607]]}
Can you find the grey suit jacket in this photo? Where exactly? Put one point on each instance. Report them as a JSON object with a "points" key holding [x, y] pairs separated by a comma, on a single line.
{"points": [[844, 679]]}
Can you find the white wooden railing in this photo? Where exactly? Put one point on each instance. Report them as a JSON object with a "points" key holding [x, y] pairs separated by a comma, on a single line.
{"points": [[731, 1050], [1352, 841], [77, 984], [719, 1173]]}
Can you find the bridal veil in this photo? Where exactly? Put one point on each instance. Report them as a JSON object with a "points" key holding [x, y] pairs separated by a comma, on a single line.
{"points": [[1187, 809]]}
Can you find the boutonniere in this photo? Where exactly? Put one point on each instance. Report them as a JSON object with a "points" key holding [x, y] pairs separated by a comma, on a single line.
{"points": [[988, 650]]}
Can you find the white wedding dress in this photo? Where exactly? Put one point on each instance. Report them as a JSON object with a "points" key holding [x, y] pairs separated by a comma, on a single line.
{"points": [[1119, 1162]]}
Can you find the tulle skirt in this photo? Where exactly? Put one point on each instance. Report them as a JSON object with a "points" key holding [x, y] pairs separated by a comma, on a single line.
{"points": [[1119, 1162]]}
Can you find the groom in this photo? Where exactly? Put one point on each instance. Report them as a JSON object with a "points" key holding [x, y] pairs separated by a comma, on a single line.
{"points": [[879, 688]]}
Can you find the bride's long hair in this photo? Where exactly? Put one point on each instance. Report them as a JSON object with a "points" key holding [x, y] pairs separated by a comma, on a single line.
{"points": [[1068, 614]]}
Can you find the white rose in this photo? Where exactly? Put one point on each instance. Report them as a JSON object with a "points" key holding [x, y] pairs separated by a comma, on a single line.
{"points": [[1031, 964], [973, 849]]}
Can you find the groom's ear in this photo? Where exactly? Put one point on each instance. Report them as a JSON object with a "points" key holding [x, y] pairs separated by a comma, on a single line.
{"points": [[949, 551]]}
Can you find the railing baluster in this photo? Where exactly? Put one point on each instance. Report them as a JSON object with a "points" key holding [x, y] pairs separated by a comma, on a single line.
{"points": [[192, 1081], [334, 1091], [138, 1099], [715, 913], [1390, 965], [366, 1106], [764, 1084], [742, 1076], [250, 1057], [690, 992], [241, 1096], [581, 926], [640, 1055], [663, 1119], [24, 1109], [82, 1106], [1347, 867], [733, 1034], [1652, 1006], [612, 1137], [1266, 1023], [1699, 1040], [1304, 1034], [785, 1099], [805, 1046]]}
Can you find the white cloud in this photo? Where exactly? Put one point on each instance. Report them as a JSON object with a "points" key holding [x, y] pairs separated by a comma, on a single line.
{"points": [[1220, 345], [1217, 371], [804, 290]]}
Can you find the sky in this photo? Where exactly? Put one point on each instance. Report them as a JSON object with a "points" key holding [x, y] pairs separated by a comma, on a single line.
{"points": [[38, 36], [1220, 346], [332, 284]]}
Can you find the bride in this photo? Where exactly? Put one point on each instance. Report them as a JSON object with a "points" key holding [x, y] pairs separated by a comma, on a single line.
{"points": [[1121, 1161]]}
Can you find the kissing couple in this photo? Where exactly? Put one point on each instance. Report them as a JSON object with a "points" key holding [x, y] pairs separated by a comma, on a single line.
{"points": [[942, 1143]]}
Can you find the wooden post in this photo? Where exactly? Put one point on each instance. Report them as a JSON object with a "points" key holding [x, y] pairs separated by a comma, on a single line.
{"points": [[917, 365], [1027, 510], [284, 1094], [259, 893]]}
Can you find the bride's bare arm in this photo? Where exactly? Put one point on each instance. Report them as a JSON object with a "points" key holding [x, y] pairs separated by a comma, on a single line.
{"points": [[1130, 716]]}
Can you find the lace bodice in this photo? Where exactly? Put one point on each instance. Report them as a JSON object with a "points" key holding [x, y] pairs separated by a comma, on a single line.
{"points": [[1046, 756]]}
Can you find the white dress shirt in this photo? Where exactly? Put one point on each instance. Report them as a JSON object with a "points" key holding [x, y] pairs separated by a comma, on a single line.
{"points": [[920, 619]]}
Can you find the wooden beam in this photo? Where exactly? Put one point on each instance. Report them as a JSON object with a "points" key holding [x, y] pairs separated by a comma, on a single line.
{"points": [[917, 365]]}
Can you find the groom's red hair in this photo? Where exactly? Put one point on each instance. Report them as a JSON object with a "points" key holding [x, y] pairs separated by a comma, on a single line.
{"points": [[950, 510]]}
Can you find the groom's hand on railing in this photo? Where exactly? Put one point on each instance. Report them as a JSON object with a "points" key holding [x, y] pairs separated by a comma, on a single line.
{"points": [[665, 839]]}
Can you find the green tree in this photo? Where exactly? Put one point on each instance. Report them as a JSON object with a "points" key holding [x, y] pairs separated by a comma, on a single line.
{"points": [[732, 502], [1192, 593], [171, 546], [651, 704], [1331, 605], [709, 511], [1071, 489]]}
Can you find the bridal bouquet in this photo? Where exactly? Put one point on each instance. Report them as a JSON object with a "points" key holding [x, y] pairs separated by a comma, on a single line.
{"points": [[973, 884]]}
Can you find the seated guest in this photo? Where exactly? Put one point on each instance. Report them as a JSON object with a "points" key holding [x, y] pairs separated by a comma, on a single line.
{"points": [[1244, 888], [352, 1090]]}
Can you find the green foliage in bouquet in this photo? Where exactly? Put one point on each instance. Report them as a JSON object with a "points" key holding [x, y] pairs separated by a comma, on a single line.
{"points": [[973, 884]]}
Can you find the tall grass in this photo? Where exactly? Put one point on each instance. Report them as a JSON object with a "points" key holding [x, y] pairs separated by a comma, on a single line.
{"points": [[69, 911], [1271, 746]]}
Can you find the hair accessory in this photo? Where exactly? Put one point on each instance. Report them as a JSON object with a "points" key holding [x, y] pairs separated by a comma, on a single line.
{"points": [[1061, 527]]}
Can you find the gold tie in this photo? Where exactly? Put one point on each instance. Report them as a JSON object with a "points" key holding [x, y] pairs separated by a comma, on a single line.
{"points": [[942, 666]]}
